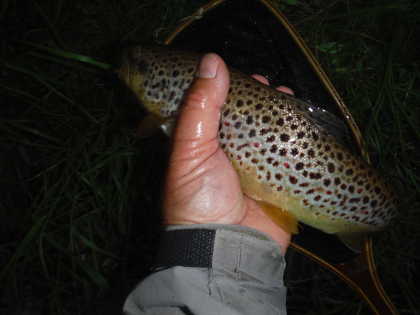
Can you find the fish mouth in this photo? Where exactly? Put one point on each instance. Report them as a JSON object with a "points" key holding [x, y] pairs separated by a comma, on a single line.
{"points": [[123, 70]]}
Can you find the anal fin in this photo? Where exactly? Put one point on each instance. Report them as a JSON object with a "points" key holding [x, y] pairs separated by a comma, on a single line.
{"points": [[281, 218]]}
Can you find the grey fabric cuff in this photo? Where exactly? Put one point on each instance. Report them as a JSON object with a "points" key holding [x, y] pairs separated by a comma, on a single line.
{"points": [[243, 252]]}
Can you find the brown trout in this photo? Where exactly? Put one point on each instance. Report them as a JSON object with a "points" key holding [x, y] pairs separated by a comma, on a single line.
{"points": [[286, 159]]}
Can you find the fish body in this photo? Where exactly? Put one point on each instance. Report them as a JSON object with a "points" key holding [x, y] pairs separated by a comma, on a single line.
{"points": [[283, 154]]}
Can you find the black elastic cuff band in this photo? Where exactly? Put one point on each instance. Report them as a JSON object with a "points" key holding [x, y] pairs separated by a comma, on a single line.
{"points": [[187, 248]]}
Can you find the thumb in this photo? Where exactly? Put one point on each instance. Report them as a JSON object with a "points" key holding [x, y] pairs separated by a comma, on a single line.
{"points": [[198, 122]]}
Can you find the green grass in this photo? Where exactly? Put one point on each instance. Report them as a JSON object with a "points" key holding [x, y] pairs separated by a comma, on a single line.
{"points": [[80, 194]]}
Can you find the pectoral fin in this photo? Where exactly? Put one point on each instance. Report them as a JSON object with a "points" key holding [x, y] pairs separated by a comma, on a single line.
{"points": [[152, 123], [281, 218]]}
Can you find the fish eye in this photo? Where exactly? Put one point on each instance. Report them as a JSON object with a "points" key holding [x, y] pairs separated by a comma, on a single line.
{"points": [[141, 66]]}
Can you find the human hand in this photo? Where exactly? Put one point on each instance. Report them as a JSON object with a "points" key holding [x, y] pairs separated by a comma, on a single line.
{"points": [[201, 185]]}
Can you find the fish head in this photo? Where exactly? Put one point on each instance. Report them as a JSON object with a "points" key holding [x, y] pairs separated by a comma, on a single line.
{"points": [[158, 77]]}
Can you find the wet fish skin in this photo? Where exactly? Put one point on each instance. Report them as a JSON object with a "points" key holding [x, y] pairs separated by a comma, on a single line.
{"points": [[283, 155]]}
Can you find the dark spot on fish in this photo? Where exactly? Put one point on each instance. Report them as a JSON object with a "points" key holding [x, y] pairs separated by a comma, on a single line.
{"points": [[293, 179], [305, 173], [263, 131], [249, 120], [315, 136], [284, 137], [273, 148], [300, 134], [252, 133], [266, 119], [317, 198], [278, 176], [280, 122], [259, 106], [254, 160], [294, 151], [234, 116], [327, 182], [271, 138], [240, 103], [299, 166], [349, 172], [305, 145], [373, 203], [351, 188], [283, 152], [171, 96], [340, 156], [331, 167], [311, 153], [315, 175], [293, 127], [238, 125]]}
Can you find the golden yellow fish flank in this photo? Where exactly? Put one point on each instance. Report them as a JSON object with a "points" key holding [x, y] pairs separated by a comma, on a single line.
{"points": [[286, 159]]}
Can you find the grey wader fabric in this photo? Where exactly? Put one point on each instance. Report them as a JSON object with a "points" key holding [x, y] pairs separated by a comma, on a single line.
{"points": [[246, 277]]}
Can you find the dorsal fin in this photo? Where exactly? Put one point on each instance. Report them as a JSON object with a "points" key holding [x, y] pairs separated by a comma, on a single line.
{"points": [[326, 121]]}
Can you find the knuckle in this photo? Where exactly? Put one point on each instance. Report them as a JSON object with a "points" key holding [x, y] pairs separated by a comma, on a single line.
{"points": [[196, 98]]}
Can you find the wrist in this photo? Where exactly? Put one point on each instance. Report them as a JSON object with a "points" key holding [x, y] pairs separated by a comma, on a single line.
{"points": [[201, 245]]}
